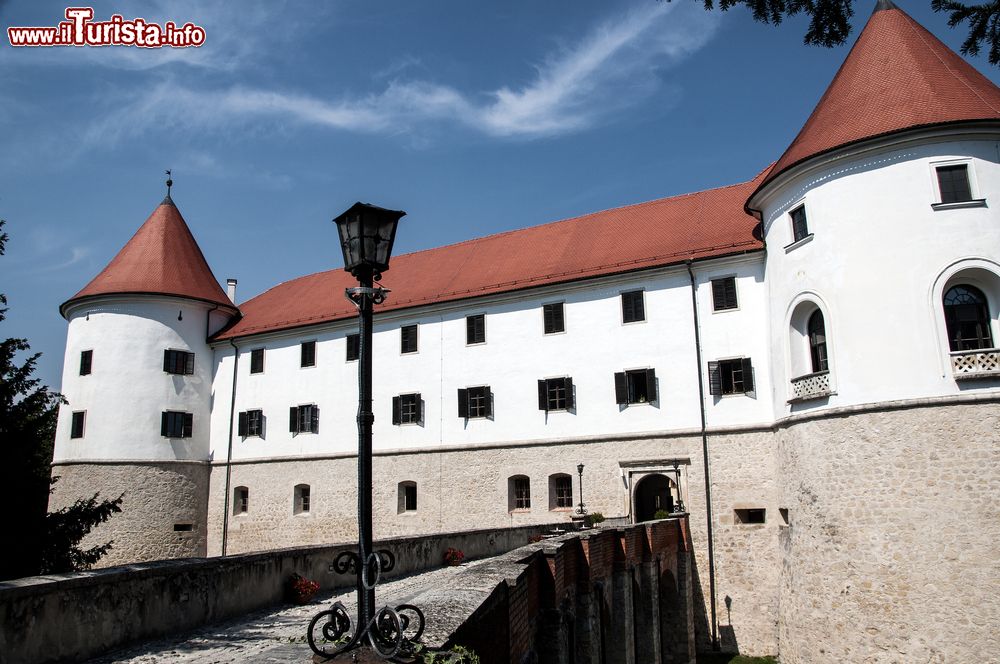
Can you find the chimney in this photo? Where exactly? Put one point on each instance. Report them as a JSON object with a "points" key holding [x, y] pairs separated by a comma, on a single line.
{"points": [[231, 289]]}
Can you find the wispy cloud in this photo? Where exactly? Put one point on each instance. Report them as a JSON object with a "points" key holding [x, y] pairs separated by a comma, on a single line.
{"points": [[611, 67]]}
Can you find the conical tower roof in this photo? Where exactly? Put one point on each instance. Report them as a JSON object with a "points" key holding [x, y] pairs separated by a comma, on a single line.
{"points": [[162, 258], [898, 76]]}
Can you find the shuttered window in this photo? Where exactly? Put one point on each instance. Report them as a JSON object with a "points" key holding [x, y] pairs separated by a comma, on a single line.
{"points": [[554, 320], [475, 402], [724, 294], [251, 423], [308, 354], [635, 386], [303, 419], [731, 377], [475, 329], [555, 394], [178, 362], [408, 339], [86, 362], [407, 409], [76, 428], [175, 424], [257, 360], [633, 309]]}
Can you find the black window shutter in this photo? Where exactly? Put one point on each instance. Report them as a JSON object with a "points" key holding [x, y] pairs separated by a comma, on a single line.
{"points": [[293, 419], [714, 379], [543, 395], [243, 425], [560, 323], [395, 410], [621, 388], [747, 375], [189, 363], [163, 423], [463, 403], [188, 425], [420, 409], [640, 307], [314, 425], [166, 360], [719, 294], [488, 396], [650, 385], [570, 401]]}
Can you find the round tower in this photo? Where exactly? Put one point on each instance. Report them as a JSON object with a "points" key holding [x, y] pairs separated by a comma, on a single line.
{"points": [[883, 265], [137, 378]]}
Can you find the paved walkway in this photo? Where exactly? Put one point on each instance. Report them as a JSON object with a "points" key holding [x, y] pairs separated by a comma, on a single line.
{"points": [[279, 635]]}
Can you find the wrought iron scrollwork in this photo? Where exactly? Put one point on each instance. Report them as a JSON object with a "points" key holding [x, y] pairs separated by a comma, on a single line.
{"points": [[392, 633], [346, 562]]}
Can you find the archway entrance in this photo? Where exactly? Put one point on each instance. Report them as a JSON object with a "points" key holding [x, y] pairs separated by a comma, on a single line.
{"points": [[652, 494]]}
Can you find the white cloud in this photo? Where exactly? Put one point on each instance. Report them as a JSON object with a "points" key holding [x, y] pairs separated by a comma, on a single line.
{"points": [[607, 70]]}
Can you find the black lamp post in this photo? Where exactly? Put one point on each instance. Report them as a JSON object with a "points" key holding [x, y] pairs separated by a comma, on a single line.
{"points": [[581, 510], [366, 233], [679, 505]]}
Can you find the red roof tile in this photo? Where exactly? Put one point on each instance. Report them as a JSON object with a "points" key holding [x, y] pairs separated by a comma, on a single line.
{"points": [[661, 232], [161, 258], [897, 76]]}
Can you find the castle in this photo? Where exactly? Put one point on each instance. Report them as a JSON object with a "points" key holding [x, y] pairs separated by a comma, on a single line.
{"points": [[806, 361]]}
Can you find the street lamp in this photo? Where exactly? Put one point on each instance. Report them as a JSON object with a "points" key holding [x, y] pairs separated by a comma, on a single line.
{"points": [[366, 233], [581, 510], [679, 506]]}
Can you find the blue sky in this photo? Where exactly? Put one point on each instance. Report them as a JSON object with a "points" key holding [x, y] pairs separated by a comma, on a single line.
{"points": [[474, 117]]}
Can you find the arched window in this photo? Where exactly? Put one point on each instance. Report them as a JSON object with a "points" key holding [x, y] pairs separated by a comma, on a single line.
{"points": [[817, 342], [518, 493], [967, 316]]}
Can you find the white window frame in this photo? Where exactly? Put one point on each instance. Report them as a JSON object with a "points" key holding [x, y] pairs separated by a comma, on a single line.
{"points": [[970, 170]]}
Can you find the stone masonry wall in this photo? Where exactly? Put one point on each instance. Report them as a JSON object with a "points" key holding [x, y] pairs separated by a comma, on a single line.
{"points": [[891, 551], [158, 496]]}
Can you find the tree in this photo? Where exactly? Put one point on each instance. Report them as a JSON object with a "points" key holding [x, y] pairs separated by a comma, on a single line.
{"points": [[28, 413], [829, 23]]}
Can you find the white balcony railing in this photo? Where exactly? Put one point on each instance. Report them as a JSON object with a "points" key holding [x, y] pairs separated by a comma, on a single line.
{"points": [[970, 364], [811, 386]]}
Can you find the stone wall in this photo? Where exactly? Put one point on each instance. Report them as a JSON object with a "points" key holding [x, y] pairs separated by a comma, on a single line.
{"points": [[161, 499], [891, 551], [71, 617]]}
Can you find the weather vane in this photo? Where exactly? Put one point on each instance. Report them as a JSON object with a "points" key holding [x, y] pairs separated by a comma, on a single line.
{"points": [[170, 182]]}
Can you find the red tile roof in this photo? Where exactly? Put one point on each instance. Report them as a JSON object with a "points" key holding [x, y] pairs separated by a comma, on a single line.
{"points": [[161, 258], [661, 232], [897, 76]]}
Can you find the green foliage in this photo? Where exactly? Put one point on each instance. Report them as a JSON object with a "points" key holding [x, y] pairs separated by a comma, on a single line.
{"points": [[28, 412], [457, 655], [593, 518], [984, 25], [661, 514]]}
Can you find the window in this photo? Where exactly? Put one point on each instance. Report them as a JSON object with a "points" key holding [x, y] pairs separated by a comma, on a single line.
{"points": [[518, 493], [475, 402], [748, 516], [953, 183], [555, 394], [241, 500], [635, 386], [76, 428], [86, 362], [475, 329], [353, 347], [817, 342], [303, 419], [257, 360], [408, 339], [178, 362], [967, 317], [407, 497], [730, 377], [407, 409], [175, 424], [300, 500], [800, 229], [251, 423], [560, 492], [183, 527], [724, 294], [633, 309], [308, 355], [553, 317]]}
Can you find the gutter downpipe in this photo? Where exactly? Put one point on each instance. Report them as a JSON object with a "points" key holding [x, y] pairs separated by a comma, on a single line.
{"points": [[704, 448], [229, 451]]}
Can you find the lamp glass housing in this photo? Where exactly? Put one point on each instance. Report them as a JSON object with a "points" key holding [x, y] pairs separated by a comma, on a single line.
{"points": [[367, 233]]}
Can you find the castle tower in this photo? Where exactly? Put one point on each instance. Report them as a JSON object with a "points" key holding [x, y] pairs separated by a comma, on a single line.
{"points": [[883, 268], [137, 377]]}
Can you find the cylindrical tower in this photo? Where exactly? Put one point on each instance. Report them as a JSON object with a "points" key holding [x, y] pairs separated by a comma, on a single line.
{"points": [[137, 378]]}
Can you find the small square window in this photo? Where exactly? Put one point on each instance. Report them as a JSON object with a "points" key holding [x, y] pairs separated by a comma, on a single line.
{"points": [[303, 419], [408, 339], [86, 362], [633, 308], [555, 394], [353, 347], [730, 377], [308, 354], [953, 183], [251, 423], [724, 294], [257, 361], [553, 318], [475, 329], [800, 229], [174, 424], [76, 428], [475, 402], [407, 409], [750, 516], [635, 386], [178, 362]]}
